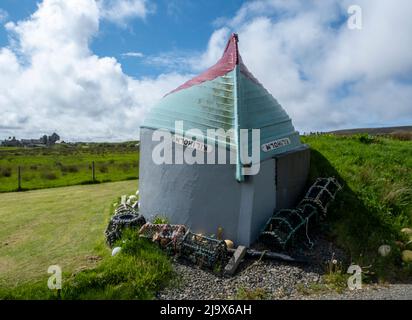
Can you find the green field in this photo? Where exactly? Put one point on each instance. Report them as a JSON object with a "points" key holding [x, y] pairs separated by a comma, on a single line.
{"points": [[64, 226], [67, 164]]}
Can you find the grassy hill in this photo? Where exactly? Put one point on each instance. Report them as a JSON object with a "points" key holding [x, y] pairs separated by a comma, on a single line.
{"points": [[67, 164], [376, 201], [375, 131]]}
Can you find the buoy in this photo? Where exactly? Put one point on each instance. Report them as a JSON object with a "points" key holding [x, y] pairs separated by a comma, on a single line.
{"points": [[408, 231], [116, 250], [384, 250], [407, 256], [229, 244]]}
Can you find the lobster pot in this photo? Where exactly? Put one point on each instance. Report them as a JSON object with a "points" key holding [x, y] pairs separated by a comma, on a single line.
{"points": [[167, 235], [321, 193], [285, 225], [125, 217], [203, 251]]}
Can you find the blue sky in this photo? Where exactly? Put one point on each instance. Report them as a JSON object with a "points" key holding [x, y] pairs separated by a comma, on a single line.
{"points": [[91, 69], [177, 25]]}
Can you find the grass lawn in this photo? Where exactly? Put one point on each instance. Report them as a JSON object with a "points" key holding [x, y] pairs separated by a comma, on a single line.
{"points": [[62, 226], [64, 165]]}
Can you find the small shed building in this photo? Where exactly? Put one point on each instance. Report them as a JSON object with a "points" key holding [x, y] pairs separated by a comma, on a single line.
{"points": [[211, 197]]}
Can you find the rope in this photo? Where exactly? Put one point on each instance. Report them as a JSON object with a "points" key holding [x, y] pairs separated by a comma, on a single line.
{"points": [[307, 235]]}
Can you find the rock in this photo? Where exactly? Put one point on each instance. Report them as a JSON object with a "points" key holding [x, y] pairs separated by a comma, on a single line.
{"points": [[116, 250], [384, 250], [407, 256], [399, 244], [229, 244], [407, 231], [235, 260]]}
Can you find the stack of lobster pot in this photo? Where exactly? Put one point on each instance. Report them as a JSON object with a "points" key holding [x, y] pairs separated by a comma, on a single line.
{"points": [[125, 217], [288, 225]]}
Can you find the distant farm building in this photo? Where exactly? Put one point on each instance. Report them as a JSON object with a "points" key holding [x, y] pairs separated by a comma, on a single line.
{"points": [[206, 197], [41, 142]]}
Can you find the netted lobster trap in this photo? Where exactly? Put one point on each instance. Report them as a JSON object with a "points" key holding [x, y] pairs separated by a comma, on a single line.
{"points": [[322, 193], [288, 225], [168, 236], [125, 217], [203, 251]]}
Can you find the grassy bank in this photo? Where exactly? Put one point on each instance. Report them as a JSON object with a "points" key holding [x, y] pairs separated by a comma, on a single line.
{"points": [[65, 165], [64, 226], [376, 201]]}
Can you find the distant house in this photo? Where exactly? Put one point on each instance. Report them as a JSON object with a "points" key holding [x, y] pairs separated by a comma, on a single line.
{"points": [[11, 142], [41, 142]]}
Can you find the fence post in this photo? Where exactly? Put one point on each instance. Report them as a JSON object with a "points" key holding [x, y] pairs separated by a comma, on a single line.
{"points": [[19, 178], [93, 173]]}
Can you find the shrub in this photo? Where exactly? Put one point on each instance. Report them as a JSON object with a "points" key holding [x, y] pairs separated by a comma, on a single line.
{"points": [[104, 169], [70, 168], [365, 138], [6, 172], [49, 176], [401, 135]]}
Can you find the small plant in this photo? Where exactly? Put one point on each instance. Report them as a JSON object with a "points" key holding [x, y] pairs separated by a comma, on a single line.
{"points": [[251, 294], [160, 220]]}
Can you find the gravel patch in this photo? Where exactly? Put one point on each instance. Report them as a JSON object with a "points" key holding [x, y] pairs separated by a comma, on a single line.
{"points": [[278, 280]]}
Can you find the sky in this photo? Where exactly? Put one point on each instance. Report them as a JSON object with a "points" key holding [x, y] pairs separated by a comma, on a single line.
{"points": [[91, 69]]}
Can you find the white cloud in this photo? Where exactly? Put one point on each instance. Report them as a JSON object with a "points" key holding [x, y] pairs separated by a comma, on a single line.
{"points": [[133, 54], [121, 11], [3, 15], [214, 50], [50, 80], [325, 75]]}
